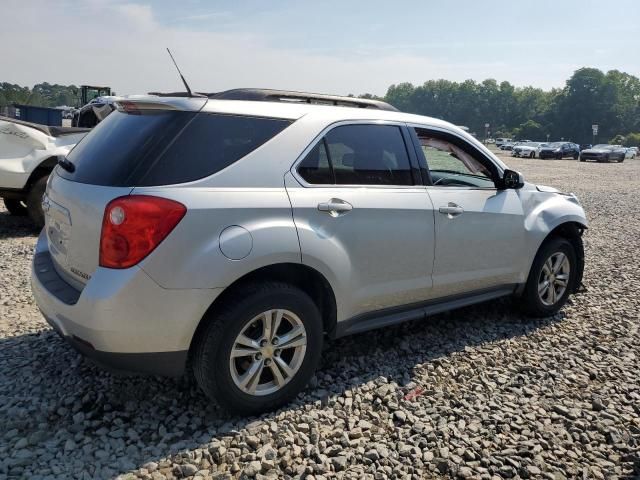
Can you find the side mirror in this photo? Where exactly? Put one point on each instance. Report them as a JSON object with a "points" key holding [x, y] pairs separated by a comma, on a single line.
{"points": [[512, 179]]}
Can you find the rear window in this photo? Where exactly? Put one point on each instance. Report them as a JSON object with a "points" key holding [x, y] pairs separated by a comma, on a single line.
{"points": [[162, 147]]}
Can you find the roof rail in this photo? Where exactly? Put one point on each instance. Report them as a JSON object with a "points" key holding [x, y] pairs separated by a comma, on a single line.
{"points": [[268, 95]]}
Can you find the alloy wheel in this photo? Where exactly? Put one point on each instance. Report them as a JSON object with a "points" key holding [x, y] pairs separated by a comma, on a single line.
{"points": [[268, 352], [554, 278]]}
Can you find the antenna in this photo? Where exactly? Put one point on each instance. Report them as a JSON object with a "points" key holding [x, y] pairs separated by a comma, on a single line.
{"points": [[186, 85]]}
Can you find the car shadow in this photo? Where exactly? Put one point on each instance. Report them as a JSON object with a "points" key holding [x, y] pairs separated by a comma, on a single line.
{"points": [[44, 382], [12, 226]]}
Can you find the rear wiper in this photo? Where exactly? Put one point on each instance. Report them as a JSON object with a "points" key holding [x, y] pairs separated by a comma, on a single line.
{"points": [[66, 164]]}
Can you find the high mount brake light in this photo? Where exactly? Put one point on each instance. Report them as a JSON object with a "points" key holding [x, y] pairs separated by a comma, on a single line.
{"points": [[133, 226]]}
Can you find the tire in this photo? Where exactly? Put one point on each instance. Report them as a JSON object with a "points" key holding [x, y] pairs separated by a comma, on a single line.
{"points": [[15, 207], [34, 201], [582, 159], [214, 368], [532, 303], [559, 156], [621, 160], [532, 155], [575, 156]]}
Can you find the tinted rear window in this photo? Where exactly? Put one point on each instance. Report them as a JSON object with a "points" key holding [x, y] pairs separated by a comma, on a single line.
{"points": [[165, 147]]}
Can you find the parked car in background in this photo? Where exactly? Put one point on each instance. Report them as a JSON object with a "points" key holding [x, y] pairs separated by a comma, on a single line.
{"points": [[502, 141], [507, 146], [559, 150], [272, 223], [631, 152], [28, 154], [585, 146], [527, 149], [604, 153]]}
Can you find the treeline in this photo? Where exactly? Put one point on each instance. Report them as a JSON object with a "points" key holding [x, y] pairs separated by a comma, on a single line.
{"points": [[590, 96], [42, 94]]}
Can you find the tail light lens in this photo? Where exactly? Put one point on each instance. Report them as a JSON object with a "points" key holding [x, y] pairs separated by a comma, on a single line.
{"points": [[133, 226]]}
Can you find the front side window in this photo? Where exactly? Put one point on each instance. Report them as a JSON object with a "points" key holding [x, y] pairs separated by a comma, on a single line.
{"points": [[451, 165], [359, 155]]}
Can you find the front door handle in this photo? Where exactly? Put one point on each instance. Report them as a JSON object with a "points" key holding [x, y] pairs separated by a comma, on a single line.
{"points": [[452, 210], [335, 207]]}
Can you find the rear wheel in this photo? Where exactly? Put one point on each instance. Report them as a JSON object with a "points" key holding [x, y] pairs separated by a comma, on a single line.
{"points": [[582, 159], [260, 349], [34, 201], [15, 207], [551, 279], [532, 155], [575, 156], [559, 156]]}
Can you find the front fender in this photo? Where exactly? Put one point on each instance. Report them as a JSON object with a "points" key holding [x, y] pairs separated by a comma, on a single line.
{"points": [[544, 213]]}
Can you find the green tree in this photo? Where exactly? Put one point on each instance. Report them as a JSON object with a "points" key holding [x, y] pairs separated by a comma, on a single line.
{"points": [[530, 130]]}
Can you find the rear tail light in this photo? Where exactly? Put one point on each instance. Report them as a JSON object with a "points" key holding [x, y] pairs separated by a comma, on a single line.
{"points": [[133, 226]]}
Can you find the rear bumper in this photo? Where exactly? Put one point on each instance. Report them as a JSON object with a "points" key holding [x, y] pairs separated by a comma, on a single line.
{"points": [[168, 364], [122, 319]]}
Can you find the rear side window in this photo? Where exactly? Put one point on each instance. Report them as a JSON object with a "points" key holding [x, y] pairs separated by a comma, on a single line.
{"points": [[164, 147], [359, 155]]}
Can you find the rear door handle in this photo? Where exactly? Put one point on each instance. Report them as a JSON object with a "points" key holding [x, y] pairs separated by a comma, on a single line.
{"points": [[335, 207], [452, 210]]}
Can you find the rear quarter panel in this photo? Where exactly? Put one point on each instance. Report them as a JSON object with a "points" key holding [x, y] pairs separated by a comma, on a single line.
{"points": [[190, 257]]}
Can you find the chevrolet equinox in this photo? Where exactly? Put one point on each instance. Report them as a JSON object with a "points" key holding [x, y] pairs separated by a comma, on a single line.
{"points": [[233, 233]]}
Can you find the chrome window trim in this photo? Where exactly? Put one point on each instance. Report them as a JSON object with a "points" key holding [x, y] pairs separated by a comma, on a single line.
{"points": [[340, 123]]}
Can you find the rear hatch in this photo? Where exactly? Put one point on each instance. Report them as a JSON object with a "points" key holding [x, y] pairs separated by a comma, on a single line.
{"points": [[138, 145]]}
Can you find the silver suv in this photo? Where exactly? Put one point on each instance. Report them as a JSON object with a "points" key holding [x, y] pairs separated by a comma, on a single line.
{"points": [[235, 233]]}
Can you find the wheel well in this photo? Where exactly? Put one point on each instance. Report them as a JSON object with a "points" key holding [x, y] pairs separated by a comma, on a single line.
{"points": [[41, 170], [307, 279]]}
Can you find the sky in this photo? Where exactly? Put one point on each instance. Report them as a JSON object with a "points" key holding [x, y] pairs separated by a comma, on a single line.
{"points": [[337, 47]]}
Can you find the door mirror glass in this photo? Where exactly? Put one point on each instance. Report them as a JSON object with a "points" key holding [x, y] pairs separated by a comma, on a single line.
{"points": [[512, 179]]}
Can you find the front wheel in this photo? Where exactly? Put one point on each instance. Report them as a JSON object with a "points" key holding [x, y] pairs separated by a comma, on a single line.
{"points": [[260, 349], [15, 207], [575, 156], [532, 155], [551, 279], [582, 159]]}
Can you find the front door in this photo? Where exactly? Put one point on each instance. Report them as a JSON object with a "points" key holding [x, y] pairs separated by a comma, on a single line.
{"points": [[479, 229]]}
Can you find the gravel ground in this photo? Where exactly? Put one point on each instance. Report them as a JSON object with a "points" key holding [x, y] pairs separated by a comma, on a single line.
{"points": [[476, 393]]}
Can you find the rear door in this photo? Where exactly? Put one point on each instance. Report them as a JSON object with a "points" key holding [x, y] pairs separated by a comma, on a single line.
{"points": [[479, 229], [362, 218]]}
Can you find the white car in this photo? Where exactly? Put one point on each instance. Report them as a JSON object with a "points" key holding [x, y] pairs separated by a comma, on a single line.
{"points": [[28, 153], [527, 149], [632, 152]]}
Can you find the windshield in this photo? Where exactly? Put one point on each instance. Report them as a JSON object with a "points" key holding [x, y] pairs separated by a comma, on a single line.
{"points": [[603, 146], [554, 145]]}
